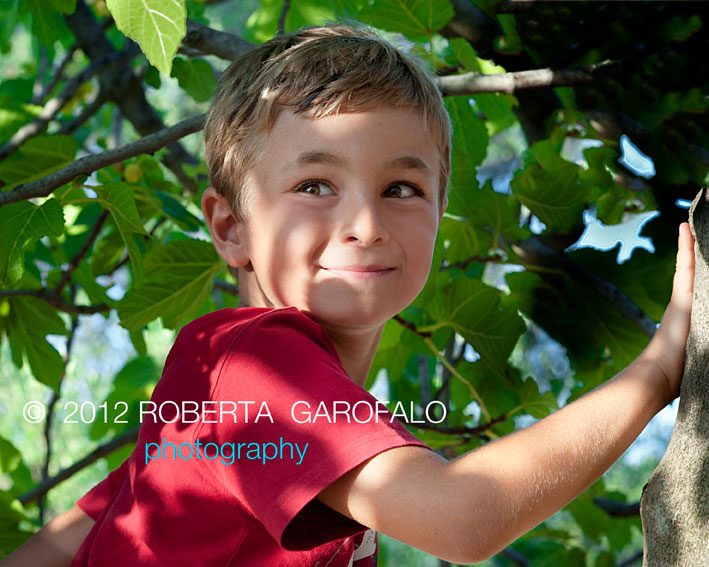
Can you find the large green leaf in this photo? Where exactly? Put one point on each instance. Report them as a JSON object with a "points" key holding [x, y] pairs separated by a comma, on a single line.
{"points": [[414, 18], [553, 195], [157, 25], [119, 199], [176, 281], [470, 141], [28, 323], [11, 119], [36, 158], [47, 23], [196, 76], [21, 224], [475, 311]]}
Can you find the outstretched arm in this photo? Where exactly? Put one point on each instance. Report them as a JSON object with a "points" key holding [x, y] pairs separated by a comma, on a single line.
{"points": [[468, 509], [56, 544]]}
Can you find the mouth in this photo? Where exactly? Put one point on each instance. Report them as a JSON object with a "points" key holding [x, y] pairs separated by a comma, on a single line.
{"points": [[360, 271]]}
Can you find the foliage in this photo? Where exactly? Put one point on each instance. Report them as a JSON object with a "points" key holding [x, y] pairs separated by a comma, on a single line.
{"points": [[503, 275]]}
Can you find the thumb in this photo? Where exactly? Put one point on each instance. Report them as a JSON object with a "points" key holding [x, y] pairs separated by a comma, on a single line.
{"points": [[683, 283]]}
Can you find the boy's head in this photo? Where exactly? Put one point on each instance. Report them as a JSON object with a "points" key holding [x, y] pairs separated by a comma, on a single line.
{"points": [[329, 155], [315, 72]]}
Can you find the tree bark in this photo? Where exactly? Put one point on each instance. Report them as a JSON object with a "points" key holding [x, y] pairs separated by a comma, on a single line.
{"points": [[675, 502]]}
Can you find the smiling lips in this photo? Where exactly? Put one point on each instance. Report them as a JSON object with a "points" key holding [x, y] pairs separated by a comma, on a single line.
{"points": [[360, 272]]}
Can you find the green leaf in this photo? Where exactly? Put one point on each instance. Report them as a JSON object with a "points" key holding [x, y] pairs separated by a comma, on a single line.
{"points": [[10, 457], [36, 158], [473, 309], [28, 322], [465, 54], [157, 25], [497, 110], [23, 223], [550, 189], [176, 281], [47, 23], [11, 119], [119, 198], [535, 404], [414, 18], [196, 76], [131, 385], [465, 240], [469, 148], [175, 210]]}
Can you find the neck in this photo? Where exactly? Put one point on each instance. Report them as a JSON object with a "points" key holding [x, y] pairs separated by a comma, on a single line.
{"points": [[356, 350]]}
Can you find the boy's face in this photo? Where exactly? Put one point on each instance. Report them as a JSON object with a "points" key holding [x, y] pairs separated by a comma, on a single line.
{"points": [[342, 216]]}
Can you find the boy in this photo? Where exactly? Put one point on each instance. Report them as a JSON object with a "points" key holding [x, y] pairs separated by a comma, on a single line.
{"points": [[329, 154]]}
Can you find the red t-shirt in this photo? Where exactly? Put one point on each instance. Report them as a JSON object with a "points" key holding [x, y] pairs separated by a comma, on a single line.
{"points": [[165, 506]]}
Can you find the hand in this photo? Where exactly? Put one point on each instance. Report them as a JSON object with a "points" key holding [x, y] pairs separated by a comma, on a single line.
{"points": [[667, 347]]}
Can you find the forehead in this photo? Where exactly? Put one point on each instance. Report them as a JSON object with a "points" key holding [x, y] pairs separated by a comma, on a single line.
{"points": [[383, 136]]}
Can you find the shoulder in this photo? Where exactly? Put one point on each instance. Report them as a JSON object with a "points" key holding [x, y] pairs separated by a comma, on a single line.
{"points": [[274, 336], [276, 324]]}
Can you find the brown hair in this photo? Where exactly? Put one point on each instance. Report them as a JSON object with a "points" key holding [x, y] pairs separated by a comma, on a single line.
{"points": [[321, 71]]}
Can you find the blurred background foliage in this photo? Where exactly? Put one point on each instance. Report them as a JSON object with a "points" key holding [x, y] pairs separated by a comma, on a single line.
{"points": [[580, 135]]}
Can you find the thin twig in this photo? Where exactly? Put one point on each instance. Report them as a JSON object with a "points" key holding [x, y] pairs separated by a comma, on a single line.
{"points": [[57, 302], [35, 493], [475, 83], [282, 17], [461, 430], [74, 262], [534, 251], [87, 112], [57, 75], [52, 107], [86, 165], [618, 509], [52, 405]]}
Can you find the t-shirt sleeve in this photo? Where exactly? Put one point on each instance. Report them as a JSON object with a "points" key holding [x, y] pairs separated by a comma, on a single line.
{"points": [[96, 499], [285, 365]]}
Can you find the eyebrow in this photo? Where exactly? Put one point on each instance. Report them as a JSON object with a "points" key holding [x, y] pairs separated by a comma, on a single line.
{"points": [[318, 156]]}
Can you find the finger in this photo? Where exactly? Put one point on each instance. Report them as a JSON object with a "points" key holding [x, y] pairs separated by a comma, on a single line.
{"points": [[683, 283]]}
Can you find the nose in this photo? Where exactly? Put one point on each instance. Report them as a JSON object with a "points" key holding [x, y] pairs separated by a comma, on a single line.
{"points": [[362, 221]]}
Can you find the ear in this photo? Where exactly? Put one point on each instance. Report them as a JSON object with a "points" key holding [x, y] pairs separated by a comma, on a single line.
{"points": [[228, 233]]}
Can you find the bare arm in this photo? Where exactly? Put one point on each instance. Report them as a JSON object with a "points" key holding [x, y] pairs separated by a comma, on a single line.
{"points": [[468, 509], [56, 544]]}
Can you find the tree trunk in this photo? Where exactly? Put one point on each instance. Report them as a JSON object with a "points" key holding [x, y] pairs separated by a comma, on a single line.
{"points": [[675, 502]]}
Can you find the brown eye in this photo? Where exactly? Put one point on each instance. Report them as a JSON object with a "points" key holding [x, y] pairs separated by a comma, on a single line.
{"points": [[402, 190], [317, 188]]}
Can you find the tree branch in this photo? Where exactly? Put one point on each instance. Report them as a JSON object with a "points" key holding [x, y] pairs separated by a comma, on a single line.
{"points": [[35, 493], [51, 109], [618, 509], [57, 302], [85, 165], [282, 17], [57, 73], [534, 251], [52, 405], [74, 262], [212, 42], [474, 83], [124, 88], [462, 430], [410, 326], [88, 111]]}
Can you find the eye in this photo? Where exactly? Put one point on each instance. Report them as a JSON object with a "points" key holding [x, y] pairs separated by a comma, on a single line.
{"points": [[402, 190], [318, 188]]}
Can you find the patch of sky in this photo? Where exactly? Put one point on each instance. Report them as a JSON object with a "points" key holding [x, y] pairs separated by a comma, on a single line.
{"points": [[626, 235], [634, 160]]}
